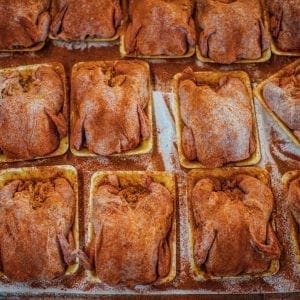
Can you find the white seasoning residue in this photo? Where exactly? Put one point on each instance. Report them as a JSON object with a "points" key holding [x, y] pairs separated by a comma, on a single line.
{"points": [[167, 132], [83, 45]]}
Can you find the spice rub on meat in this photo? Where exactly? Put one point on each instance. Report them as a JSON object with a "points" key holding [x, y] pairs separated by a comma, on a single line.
{"points": [[23, 23], [78, 20], [32, 116], [131, 227], [110, 99], [284, 24], [36, 224], [232, 230], [217, 120], [160, 27], [231, 30], [282, 95], [293, 199]]}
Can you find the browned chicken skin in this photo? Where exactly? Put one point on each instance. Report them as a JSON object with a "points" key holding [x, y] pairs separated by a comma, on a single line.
{"points": [[285, 24], [232, 233], [31, 118], [80, 19], [217, 121], [111, 100], [36, 217], [231, 30], [293, 199], [23, 23], [131, 228], [283, 97], [160, 27]]}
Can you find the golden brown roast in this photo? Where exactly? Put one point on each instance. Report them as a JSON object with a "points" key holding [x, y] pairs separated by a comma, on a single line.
{"points": [[160, 27], [231, 30], [23, 23], [77, 20], [32, 120], [36, 222], [131, 225], [233, 234]]}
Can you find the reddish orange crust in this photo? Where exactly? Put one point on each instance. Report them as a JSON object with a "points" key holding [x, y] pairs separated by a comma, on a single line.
{"points": [[23, 24]]}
